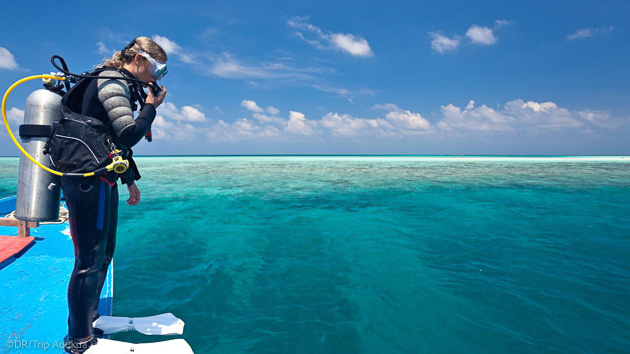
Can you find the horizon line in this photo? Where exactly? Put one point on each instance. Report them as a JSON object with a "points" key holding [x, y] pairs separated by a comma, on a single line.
{"points": [[358, 155]]}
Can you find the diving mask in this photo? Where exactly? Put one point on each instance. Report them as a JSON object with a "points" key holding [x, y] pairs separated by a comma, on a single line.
{"points": [[159, 69]]}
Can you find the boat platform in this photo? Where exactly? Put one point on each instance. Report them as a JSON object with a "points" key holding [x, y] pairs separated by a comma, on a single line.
{"points": [[34, 284]]}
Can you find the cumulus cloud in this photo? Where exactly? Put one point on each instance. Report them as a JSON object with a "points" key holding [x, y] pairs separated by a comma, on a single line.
{"points": [[349, 126], [273, 110], [186, 113], [353, 45], [172, 48], [479, 119], [442, 43], [264, 123], [408, 120], [516, 115], [298, 124], [7, 60], [169, 130], [15, 115], [589, 32], [241, 128], [251, 106], [404, 120], [173, 123], [481, 35], [345, 42]]}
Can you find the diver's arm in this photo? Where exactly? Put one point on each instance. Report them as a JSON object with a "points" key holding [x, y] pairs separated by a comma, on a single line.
{"points": [[132, 134], [115, 97]]}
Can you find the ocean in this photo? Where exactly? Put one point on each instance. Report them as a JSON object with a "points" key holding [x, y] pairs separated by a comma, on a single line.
{"points": [[378, 254]]}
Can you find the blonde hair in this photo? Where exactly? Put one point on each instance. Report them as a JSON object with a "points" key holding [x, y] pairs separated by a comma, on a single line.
{"points": [[125, 56]]}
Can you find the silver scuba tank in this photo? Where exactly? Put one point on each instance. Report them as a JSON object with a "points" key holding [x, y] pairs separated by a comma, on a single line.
{"points": [[38, 190]]}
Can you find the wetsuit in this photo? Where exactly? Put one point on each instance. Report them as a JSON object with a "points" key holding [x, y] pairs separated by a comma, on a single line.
{"points": [[93, 201]]}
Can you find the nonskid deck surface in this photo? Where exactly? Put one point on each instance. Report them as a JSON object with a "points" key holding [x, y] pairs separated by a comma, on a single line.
{"points": [[33, 304]]}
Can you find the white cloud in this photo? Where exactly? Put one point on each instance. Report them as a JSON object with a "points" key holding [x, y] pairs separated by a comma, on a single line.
{"points": [[171, 47], [192, 114], [387, 107], [516, 116], [481, 35], [540, 107], [345, 42], [346, 125], [441, 43], [405, 121], [173, 123], [339, 91], [480, 119], [7, 61], [186, 113], [272, 119], [589, 32], [228, 67], [352, 44], [15, 115], [103, 50], [581, 33], [501, 23], [600, 119], [251, 106], [298, 124], [169, 130], [408, 120], [242, 128], [542, 116]]}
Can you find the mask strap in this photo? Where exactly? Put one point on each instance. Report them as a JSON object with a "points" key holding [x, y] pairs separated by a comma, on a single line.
{"points": [[131, 44]]}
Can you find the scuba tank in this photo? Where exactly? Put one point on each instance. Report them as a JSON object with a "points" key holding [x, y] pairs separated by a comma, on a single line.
{"points": [[38, 183], [38, 191]]}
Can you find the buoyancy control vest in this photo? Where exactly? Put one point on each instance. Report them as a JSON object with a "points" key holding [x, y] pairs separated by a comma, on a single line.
{"points": [[84, 139]]}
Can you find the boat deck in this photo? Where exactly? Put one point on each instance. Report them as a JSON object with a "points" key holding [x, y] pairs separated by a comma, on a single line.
{"points": [[33, 299]]}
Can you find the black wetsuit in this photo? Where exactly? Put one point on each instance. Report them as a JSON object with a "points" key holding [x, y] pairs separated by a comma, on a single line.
{"points": [[93, 208]]}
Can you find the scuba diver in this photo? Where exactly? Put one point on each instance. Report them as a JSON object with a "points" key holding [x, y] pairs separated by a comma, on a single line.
{"points": [[93, 201]]}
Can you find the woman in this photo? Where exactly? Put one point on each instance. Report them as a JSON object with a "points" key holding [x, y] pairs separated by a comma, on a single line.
{"points": [[93, 202]]}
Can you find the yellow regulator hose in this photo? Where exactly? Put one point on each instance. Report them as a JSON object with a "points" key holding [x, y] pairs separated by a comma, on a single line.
{"points": [[116, 165]]}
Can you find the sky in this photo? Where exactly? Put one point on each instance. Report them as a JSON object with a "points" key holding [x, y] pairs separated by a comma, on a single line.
{"points": [[347, 77]]}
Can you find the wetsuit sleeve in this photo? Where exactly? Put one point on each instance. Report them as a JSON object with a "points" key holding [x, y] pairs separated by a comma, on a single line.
{"points": [[128, 177], [115, 97]]}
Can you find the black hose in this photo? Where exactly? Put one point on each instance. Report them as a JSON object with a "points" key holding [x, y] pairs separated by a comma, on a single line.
{"points": [[65, 68]]}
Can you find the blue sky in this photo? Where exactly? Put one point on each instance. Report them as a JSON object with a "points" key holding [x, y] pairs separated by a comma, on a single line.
{"points": [[312, 77]]}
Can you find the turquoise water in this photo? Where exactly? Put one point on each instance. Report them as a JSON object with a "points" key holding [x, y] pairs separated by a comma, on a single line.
{"points": [[378, 254]]}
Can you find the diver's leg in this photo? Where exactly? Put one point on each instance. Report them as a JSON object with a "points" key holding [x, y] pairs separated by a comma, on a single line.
{"points": [[86, 200], [112, 218]]}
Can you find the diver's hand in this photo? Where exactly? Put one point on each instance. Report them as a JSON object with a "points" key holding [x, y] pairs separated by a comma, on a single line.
{"points": [[134, 195], [156, 101]]}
